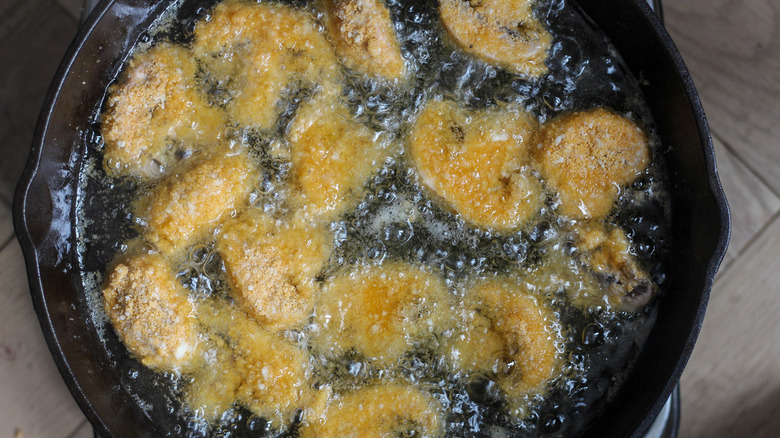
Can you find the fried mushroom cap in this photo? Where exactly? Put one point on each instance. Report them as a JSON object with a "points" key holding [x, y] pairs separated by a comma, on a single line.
{"points": [[500, 32], [605, 251], [155, 114], [272, 267], [362, 33], [385, 410], [332, 155], [250, 366], [587, 156], [196, 198], [256, 53], [507, 335], [380, 311], [151, 312], [478, 161]]}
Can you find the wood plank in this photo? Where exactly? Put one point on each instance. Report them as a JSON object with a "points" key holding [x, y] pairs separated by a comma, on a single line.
{"points": [[731, 386], [84, 431], [732, 49], [752, 203], [34, 35], [6, 225], [74, 8], [35, 400]]}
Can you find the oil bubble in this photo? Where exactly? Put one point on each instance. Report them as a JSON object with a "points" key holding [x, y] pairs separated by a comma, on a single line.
{"points": [[398, 234], [551, 423], [640, 184], [483, 390], [594, 335]]}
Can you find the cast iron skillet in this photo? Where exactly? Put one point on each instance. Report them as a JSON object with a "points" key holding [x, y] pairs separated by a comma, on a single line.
{"points": [[45, 209]]}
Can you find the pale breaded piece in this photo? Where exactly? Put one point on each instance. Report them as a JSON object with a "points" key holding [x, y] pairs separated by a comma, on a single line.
{"points": [[478, 161], [384, 410], [509, 336], [272, 267], [250, 366], [363, 35], [275, 383], [499, 32], [380, 311], [151, 312], [155, 115], [605, 250], [258, 50], [196, 198], [332, 155], [588, 156]]}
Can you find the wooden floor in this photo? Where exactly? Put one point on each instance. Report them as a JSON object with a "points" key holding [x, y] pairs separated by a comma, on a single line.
{"points": [[731, 386]]}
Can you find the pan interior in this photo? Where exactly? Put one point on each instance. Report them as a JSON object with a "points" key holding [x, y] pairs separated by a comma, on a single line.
{"points": [[585, 71]]}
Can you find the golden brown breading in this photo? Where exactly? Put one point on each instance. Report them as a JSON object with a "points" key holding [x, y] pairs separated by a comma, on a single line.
{"points": [[509, 336], [151, 312], [588, 156], [606, 252], [479, 162], [380, 311], [256, 51], [251, 366], [272, 267], [362, 32], [155, 115], [274, 384], [332, 155], [387, 410], [196, 198], [500, 32]]}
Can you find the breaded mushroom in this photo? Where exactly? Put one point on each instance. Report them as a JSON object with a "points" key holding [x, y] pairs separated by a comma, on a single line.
{"points": [[587, 156], [500, 32], [332, 155], [155, 115], [478, 161], [250, 366], [385, 410], [257, 52], [605, 251], [151, 312], [380, 311], [507, 335], [196, 198], [275, 383], [362, 33], [272, 267]]}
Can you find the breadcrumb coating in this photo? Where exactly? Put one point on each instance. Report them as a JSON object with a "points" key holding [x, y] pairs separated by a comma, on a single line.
{"points": [[151, 312], [250, 366], [380, 311], [607, 253], [508, 335], [587, 156], [272, 267], [363, 35], [385, 410], [479, 162], [499, 32], [258, 52], [332, 155], [196, 198], [155, 115]]}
